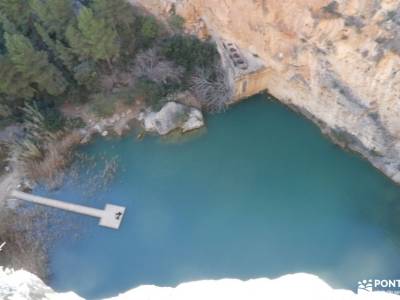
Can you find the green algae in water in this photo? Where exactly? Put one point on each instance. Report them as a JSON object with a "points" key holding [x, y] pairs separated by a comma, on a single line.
{"points": [[261, 194]]}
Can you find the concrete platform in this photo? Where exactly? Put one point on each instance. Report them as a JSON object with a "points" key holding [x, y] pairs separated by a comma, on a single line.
{"points": [[110, 217]]}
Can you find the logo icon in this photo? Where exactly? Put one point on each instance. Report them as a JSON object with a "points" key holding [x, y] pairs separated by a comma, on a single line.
{"points": [[365, 286]]}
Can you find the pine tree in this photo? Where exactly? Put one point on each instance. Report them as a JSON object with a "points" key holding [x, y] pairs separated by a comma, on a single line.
{"points": [[116, 13], [55, 15], [92, 38], [7, 25], [2, 41], [13, 83], [34, 65], [17, 12], [86, 75], [62, 53]]}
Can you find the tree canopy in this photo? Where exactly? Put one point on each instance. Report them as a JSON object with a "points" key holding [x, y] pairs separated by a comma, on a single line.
{"points": [[17, 12], [57, 50], [55, 15], [34, 65], [92, 38]]}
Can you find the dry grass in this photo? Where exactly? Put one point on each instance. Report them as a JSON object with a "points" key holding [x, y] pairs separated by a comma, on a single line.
{"points": [[56, 158], [24, 231], [151, 65], [30, 232], [213, 90]]}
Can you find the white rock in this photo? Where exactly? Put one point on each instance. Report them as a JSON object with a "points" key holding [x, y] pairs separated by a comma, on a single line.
{"points": [[98, 128], [172, 116], [22, 285], [194, 121], [298, 286], [104, 133]]}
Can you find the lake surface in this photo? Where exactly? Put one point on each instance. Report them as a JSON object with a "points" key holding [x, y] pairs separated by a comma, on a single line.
{"points": [[261, 193]]}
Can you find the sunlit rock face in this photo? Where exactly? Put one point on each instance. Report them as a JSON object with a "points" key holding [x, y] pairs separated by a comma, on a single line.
{"points": [[22, 285], [337, 62]]}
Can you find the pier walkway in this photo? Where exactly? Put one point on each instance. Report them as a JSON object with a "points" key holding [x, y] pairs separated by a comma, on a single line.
{"points": [[110, 217]]}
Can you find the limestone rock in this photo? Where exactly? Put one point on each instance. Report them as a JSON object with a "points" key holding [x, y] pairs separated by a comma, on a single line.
{"points": [[337, 62], [172, 116], [194, 120]]}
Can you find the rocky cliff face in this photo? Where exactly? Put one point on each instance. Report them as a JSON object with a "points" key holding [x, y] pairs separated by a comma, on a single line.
{"points": [[337, 62]]}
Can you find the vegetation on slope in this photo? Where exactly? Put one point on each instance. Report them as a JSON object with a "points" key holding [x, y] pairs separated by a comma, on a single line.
{"points": [[97, 52], [63, 50], [92, 52]]}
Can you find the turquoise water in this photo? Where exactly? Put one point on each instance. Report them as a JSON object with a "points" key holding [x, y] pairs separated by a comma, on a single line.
{"points": [[260, 194]]}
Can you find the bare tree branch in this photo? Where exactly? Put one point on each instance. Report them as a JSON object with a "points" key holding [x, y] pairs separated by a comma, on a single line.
{"points": [[151, 65], [213, 89]]}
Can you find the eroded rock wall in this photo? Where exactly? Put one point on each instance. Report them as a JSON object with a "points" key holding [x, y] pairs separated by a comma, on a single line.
{"points": [[335, 61]]}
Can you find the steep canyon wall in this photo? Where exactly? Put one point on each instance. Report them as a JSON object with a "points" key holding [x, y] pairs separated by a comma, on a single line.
{"points": [[337, 62]]}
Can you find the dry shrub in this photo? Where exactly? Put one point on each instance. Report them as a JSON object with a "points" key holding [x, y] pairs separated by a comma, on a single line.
{"points": [[5, 111], [57, 156], [30, 231], [154, 67], [212, 88], [24, 230], [35, 124]]}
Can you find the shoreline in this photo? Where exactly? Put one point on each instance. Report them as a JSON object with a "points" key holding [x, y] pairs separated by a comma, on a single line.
{"points": [[126, 119], [112, 125]]}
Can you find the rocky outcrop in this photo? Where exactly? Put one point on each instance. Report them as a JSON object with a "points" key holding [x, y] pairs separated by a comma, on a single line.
{"points": [[172, 116], [337, 62], [22, 285]]}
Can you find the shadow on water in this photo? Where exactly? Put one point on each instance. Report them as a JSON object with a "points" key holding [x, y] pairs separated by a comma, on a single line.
{"points": [[260, 194]]}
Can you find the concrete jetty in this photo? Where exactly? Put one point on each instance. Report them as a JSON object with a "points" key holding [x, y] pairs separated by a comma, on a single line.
{"points": [[110, 217]]}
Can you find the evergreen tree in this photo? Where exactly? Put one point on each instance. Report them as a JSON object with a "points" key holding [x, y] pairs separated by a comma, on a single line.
{"points": [[92, 38], [17, 12], [116, 13], [53, 14], [13, 83], [2, 42], [148, 30], [86, 75], [59, 50], [34, 65], [7, 25]]}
